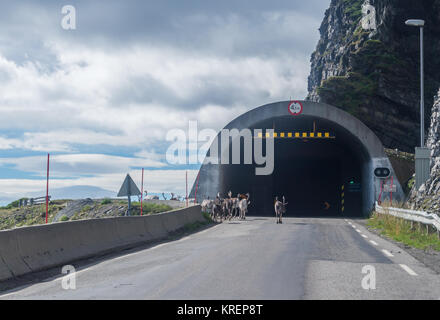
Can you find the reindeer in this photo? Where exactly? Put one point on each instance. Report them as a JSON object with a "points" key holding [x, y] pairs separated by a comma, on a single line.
{"points": [[217, 207], [207, 205], [280, 208], [243, 205], [233, 206]]}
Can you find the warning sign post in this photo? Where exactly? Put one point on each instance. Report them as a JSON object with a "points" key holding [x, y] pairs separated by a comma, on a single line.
{"points": [[128, 189]]}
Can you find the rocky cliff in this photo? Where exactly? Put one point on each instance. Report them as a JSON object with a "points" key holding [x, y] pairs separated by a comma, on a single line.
{"points": [[374, 74], [428, 196]]}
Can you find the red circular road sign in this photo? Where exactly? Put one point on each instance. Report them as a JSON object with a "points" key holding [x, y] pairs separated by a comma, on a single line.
{"points": [[295, 108]]}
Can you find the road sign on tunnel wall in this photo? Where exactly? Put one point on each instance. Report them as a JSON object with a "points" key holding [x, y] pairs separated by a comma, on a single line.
{"points": [[295, 108]]}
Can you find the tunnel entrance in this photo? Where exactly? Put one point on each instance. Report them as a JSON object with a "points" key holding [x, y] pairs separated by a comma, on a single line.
{"points": [[320, 177]]}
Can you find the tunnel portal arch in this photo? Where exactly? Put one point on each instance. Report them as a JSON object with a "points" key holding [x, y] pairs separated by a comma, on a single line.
{"points": [[332, 174]]}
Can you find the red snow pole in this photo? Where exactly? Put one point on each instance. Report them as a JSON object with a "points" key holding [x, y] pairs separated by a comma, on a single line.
{"points": [[142, 188], [47, 188]]}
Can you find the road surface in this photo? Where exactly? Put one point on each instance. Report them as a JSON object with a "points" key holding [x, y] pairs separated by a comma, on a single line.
{"points": [[253, 259]]}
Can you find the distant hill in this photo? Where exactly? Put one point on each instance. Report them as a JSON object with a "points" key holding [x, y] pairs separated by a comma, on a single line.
{"points": [[73, 193], [77, 192]]}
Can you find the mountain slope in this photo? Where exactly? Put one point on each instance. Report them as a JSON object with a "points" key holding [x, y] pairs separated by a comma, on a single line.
{"points": [[374, 74]]}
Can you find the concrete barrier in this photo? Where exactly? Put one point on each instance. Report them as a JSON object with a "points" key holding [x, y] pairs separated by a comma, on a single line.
{"points": [[35, 248]]}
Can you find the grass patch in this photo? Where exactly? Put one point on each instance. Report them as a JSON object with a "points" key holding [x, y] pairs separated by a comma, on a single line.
{"points": [[401, 231], [27, 216], [353, 10], [148, 208], [86, 208], [191, 227], [207, 216], [106, 201]]}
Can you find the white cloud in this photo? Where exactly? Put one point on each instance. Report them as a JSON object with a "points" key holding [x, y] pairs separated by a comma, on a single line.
{"points": [[98, 97], [79, 165]]}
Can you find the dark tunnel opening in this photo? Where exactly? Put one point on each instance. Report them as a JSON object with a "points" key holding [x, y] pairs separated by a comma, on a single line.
{"points": [[319, 177]]}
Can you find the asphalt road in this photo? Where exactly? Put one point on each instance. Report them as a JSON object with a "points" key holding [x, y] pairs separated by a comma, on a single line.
{"points": [[253, 259]]}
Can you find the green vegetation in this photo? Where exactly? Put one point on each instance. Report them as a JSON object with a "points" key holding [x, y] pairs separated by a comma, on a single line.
{"points": [[11, 216], [19, 217], [400, 230], [106, 201], [353, 9], [207, 216], [371, 61], [13, 204], [410, 183], [191, 227], [148, 208], [86, 208], [349, 91]]}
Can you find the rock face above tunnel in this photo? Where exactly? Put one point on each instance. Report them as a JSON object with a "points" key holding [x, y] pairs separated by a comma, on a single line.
{"points": [[374, 75], [427, 197]]}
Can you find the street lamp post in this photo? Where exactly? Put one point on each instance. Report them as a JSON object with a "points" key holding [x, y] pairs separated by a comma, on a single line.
{"points": [[420, 24], [422, 153]]}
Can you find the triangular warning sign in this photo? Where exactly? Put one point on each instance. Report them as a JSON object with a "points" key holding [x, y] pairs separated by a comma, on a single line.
{"points": [[128, 188]]}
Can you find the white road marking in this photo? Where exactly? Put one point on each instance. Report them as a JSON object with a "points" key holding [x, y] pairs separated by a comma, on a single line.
{"points": [[358, 230], [363, 235], [387, 253], [374, 242], [408, 269], [354, 227]]}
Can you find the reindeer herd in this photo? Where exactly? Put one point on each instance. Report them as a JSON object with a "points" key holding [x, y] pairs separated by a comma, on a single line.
{"points": [[229, 208]]}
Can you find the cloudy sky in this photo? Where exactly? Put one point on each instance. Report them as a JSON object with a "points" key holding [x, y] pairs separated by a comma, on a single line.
{"points": [[101, 99]]}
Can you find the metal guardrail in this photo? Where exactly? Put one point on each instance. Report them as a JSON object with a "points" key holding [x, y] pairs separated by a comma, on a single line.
{"points": [[412, 215]]}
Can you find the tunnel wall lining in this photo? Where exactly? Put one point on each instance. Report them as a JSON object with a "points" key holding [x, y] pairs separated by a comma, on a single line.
{"points": [[209, 175]]}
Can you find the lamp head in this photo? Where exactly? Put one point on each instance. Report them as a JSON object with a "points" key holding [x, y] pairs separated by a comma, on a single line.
{"points": [[415, 23]]}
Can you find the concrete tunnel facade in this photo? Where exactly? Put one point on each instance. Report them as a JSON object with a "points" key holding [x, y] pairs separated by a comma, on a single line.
{"points": [[324, 163]]}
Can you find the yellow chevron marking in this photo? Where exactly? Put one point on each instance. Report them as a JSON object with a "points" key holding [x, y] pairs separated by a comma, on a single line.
{"points": [[327, 135], [289, 134]]}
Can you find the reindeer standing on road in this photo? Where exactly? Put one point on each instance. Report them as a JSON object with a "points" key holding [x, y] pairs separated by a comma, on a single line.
{"points": [[243, 205], [280, 209]]}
